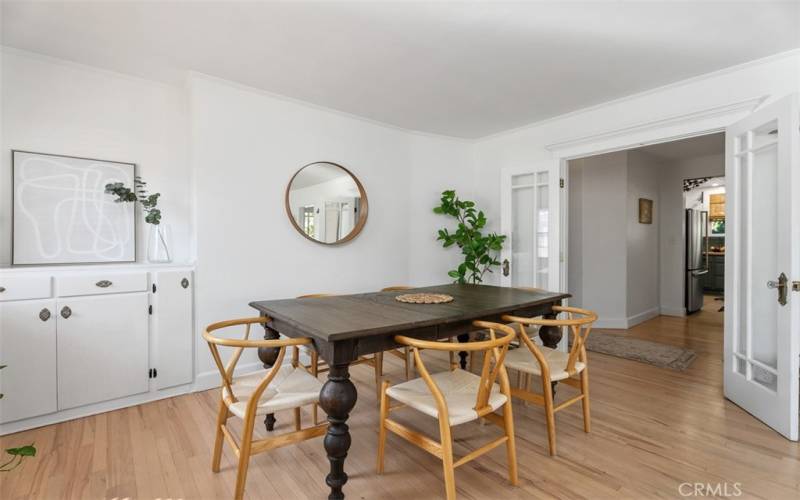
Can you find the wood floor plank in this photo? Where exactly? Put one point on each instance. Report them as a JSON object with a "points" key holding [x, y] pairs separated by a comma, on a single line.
{"points": [[653, 429]]}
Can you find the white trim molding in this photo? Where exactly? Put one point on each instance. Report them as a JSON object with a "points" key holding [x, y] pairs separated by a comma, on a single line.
{"points": [[673, 311], [670, 128]]}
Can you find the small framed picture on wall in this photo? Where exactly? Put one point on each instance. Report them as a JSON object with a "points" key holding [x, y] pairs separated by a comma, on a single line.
{"points": [[645, 211]]}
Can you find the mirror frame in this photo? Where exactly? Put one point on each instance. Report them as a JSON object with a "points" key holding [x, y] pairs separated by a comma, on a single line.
{"points": [[362, 217]]}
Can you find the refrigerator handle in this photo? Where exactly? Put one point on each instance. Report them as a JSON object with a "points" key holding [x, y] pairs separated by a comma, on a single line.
{"points": [[704, 217]]}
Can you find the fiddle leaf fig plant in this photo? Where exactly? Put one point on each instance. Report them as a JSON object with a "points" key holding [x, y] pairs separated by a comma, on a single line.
{"points": [[138, 193], [480, 251]]}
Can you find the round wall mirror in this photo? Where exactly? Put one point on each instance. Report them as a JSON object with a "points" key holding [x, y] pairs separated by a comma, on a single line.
{"points": [[326, 203]]}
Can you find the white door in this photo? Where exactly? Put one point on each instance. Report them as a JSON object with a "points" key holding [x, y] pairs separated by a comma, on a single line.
{"points": [[172, 319], [102, 348], [526, 219], [762, 258], [28, 348]]}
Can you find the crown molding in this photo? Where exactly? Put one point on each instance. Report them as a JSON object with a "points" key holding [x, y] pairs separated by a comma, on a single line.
{"points": [[745, 106]]}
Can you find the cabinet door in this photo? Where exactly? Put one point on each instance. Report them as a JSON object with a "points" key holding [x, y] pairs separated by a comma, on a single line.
{"points": [[28, 348], [172, 318], [102, 348]]}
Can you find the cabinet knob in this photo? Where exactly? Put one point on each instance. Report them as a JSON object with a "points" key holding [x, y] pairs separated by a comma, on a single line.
{"points": [[44, 314], [185, 283], [104, 284], [2, 289], [66, 312]]}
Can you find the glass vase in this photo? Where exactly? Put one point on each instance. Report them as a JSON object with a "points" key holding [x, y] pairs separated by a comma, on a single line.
{"points": [[159, 243]]}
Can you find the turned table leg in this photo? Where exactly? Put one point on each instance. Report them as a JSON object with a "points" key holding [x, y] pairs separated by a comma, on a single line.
{"points": [[268, 356], [337, 398]]}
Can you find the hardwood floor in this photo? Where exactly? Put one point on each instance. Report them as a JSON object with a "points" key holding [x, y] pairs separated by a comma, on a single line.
{"points": [[653, 429]]}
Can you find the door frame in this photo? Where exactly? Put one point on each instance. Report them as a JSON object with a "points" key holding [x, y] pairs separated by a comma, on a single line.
{"points": [[667, 129]]}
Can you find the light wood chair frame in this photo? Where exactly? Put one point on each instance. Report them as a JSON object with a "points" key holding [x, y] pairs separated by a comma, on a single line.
{"points": [[580, 326], [405, 354], [443, 449], [248, 446]]}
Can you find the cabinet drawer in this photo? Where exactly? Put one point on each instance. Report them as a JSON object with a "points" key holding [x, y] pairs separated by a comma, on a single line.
{"points": [[96, 284], [28, 286]]}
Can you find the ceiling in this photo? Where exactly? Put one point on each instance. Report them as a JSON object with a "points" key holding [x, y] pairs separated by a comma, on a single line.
{"points": [[458, 69], [685, 149]]}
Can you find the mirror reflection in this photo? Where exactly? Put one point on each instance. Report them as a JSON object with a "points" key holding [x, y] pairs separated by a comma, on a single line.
{"points": [[326, 203]]}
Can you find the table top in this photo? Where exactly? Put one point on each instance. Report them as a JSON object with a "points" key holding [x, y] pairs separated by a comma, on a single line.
{"points": [[342, 317]]}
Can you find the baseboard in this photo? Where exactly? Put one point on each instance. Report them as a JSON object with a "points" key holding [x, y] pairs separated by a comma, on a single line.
{"points": [[203, 381], [93, 409], [211, 379], [642, 317], [611, 323], [673, 311], [625, 323]]}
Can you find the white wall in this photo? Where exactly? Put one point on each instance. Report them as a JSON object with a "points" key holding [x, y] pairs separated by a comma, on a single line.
{"points": [[51, 106], [672, 230], [437, 165], [613, 258], [221, 156], [599, 239], [643, 239], [246, 145]]}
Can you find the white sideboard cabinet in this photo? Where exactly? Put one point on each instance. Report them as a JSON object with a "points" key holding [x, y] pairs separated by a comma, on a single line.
{"points": [[79, 341]]}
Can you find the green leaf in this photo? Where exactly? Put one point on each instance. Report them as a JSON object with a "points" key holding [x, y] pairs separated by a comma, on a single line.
{"points": [[479, 252], [23, 451]]}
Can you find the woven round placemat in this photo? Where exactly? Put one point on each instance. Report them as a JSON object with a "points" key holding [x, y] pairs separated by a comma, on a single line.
{"points": [[424, 298]]}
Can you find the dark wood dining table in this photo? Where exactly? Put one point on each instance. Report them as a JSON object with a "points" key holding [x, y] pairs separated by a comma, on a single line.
{"points": [[345, 327]]}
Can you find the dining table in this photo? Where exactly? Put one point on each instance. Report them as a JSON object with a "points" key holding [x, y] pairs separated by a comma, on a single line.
{"points": [[345, 327]]}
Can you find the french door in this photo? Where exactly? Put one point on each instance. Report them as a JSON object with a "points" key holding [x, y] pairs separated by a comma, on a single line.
{"points": [[526, 218], [762, 263]]}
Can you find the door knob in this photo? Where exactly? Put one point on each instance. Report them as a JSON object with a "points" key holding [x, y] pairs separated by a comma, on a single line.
{"points": [[505, 267], [781, 286], [66, 312]]}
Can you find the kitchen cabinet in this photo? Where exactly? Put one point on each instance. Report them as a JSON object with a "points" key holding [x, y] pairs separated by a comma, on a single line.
{"points": [[172, 306], [714, 280], [102, 348], [28, 348], [716, 206], [79, 341]]}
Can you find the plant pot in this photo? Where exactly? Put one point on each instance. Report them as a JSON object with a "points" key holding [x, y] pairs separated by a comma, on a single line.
{"points": [[159, 243]]}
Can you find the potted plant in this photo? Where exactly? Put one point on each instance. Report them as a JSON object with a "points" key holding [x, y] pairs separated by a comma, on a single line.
{"points": [[480, 251], [159, 241]]}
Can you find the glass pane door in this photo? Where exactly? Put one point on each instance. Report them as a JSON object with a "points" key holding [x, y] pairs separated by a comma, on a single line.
{"points": [[530, 238]]}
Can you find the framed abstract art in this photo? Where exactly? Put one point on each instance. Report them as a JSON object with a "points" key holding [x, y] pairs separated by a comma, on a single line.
{"points": [[62, 215]]}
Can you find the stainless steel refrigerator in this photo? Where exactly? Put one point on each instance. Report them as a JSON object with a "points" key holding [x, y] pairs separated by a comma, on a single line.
{"points": [[696, 257]]}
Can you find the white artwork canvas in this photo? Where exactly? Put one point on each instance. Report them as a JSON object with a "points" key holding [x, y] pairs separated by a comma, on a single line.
{"points": [[62, 214]]}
